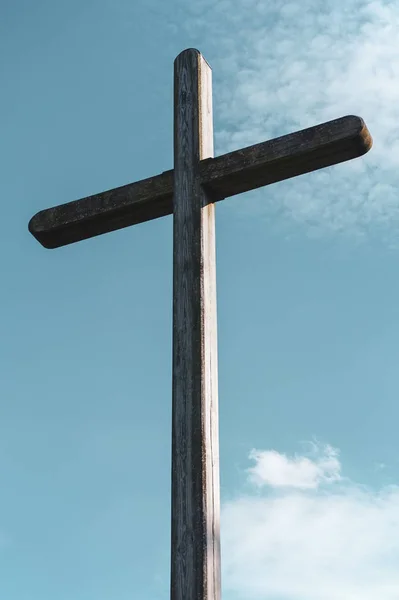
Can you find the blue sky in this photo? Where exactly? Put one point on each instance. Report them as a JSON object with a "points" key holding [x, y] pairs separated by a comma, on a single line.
{"points": [[308, 301]]}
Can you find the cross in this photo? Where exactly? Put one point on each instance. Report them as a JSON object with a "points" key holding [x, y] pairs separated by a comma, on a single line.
{"points": [[190, 191]]}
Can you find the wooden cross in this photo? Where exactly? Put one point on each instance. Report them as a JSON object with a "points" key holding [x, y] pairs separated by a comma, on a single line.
{"points": [[189, 191]]}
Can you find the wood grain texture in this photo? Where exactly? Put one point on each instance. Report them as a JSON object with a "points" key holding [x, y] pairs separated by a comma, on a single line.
{"points": [[195, 544], [233, 173], [287, 156]]}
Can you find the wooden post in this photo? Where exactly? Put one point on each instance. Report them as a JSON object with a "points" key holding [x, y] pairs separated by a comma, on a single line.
{"points": [[195, 564]]}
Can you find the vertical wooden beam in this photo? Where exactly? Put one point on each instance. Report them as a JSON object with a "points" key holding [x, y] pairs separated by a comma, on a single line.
{"points": [[195, 560]]}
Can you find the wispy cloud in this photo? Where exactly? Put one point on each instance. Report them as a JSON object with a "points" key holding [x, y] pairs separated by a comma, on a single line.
{"points": [[309, 533], [280, 66]]}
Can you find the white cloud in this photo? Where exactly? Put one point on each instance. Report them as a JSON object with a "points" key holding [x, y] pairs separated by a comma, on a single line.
{"points": [[331, 539], [278, 470], [280, 66]]}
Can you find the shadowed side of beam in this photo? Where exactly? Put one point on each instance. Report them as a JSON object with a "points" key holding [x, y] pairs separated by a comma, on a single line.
{"points": [[227, 175], [285, 157], [108, 211]]}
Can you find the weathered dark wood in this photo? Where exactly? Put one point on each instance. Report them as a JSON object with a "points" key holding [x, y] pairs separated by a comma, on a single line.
{"points": [[233, 173], [189, 191], [94, 215], [285, 157], [195, 551]]}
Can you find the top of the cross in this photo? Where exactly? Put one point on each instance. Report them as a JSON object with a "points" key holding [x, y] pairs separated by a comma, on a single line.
{"points": [[191, 52]]}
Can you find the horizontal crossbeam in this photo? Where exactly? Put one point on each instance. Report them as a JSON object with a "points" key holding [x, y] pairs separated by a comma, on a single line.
{"points": [[226, 175]]}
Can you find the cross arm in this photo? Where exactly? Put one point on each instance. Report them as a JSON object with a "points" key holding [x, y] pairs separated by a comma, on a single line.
{"points": [[108, 211], [286, 156], [233, 173]]}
